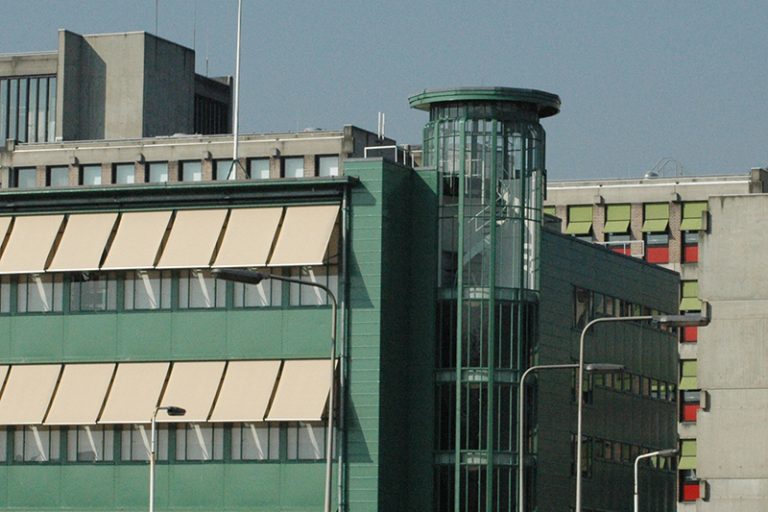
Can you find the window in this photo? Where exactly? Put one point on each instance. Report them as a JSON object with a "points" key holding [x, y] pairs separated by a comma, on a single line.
{"points": [[135, 439], [306, 441], [91, 291], [191, 171], [690, 294], [328, 166], [266, 293], [199, 289], [147, 290], [223, 170], [293, 167], [255, 441], [199, 442], [690, 246], [657, 247], [303, 295], [620, 243], [692, 213], [25, 177], [90, 444], [690, 487], [581, 307], [90, 174], [28, 108], [123, 174], [579, 221], [690, 402], [36, 444], [258, 168], [157, 172], [39, 293], [57, 176], [5, 294]]}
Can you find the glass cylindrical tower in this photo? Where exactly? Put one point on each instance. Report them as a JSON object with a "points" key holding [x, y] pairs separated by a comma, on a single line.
{"points": [[487, 146]]}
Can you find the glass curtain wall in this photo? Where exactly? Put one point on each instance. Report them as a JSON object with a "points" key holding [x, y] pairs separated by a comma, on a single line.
{"points": [[490, 158]]}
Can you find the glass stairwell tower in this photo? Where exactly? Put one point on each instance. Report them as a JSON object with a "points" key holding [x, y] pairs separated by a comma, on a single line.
{"points": [[488, 147]]}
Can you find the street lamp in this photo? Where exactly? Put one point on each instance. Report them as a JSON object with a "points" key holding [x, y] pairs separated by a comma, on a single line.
{"points": [[172, 410], [669, 320], [671, 452], [254, 277], [592, 367]]}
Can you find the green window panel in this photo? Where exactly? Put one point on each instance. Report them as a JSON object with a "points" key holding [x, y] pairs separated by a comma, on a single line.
{"points": [[690, 300], [692, 215], [656, 217], [617, 218], [687, 454], [579, 220], [689, 375]]}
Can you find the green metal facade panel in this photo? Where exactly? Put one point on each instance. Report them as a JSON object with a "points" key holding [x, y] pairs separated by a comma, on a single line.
{"points": [[390, 369], [261, 333]]}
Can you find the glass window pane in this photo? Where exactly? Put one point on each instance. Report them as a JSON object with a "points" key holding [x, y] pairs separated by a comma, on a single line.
{"points": [[221, 170], [328, 166], [26, 177], [199, 289], [51, 109], [191, 171], [21, 133], [13, 107], [3, 111], [259, 168], [32, 111], [136, 440], [148, 290], [90, 175], [293, 167], [42, 109], [157, 172], [125, 173], [58, 176], [39, 294]]}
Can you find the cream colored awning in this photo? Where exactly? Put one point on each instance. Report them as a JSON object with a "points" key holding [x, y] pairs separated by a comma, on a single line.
{"points": [[5, 223], [248, 238], [30, 244], [81, 394], [193, 239], [304, 236], [83, 242], [27, 393], [135, 393], [192, 386], [246, 391], [137, 240], [302, 392]]}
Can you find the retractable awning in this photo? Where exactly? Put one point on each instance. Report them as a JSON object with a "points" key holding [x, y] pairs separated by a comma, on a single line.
{"points": [[192, 239], [81, 394], [30, 244], [83, 242], [304, 236], [248, 238], [27, 393], [192, 386], [302, 393], [137, 240], [246, 391], [135, 392]]}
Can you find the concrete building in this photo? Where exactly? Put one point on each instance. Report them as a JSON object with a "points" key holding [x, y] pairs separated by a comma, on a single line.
{"points": [[659, 220], [732, 447], [448, 289]]}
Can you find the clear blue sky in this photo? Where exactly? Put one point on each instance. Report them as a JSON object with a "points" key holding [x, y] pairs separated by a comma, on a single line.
{"points": [[638, 80]]}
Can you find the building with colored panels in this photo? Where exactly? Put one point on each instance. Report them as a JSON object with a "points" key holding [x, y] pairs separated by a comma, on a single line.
{"points": [[659, 220], [449, 286]]}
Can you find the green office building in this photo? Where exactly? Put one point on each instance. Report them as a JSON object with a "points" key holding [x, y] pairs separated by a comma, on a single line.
{"points": [[450, 283]]}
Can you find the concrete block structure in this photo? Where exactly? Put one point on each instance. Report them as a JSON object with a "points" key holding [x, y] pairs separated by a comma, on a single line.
{"points": [[449, 280], [660, 220]]}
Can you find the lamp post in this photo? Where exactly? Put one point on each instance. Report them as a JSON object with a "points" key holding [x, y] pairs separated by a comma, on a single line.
{"points": [[593, 367], [671, 452], [669, 320], [253, 277], [172, 410]]}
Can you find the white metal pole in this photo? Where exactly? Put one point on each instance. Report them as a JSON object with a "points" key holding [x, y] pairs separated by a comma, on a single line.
{"points": [[579, 392], [236, 106], [152, 463], [521, 428]]}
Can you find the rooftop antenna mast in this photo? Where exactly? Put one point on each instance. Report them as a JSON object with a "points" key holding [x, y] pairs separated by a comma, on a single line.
{"points": [[236, 107]]}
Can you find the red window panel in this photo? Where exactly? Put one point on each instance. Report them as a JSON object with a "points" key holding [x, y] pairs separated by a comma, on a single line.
{"points": [[691, 491], [691, 253], [625, 250], [690, 334], [689, 412], [657, 254]]}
